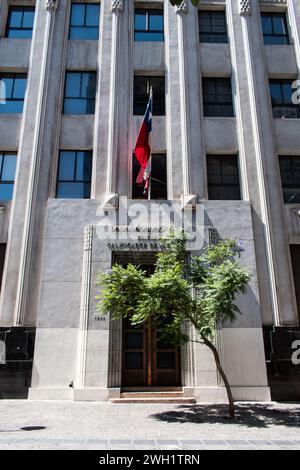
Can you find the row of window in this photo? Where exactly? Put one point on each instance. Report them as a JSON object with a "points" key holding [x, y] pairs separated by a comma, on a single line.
{"points": [[80, 93], [148, 24], [75, 171]]}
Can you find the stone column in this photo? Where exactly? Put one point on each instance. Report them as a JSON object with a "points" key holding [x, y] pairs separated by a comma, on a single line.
{"points": [[193, 153], [84, 305], [259, 156], [20, 281], [106, 130]]}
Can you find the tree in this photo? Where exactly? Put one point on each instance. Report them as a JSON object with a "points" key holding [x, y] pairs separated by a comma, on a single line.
{"points": [[200, 292]]}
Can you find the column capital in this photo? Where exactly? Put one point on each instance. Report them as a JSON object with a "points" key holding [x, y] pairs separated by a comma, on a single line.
{"points": [[182, 7], [116, 6], [245, 7], [51, 5]]}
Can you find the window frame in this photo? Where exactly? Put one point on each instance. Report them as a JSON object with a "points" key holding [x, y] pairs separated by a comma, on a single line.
{"points": [[21, 9], [4, 154], [74, 180], [141, 185], [84, 26], [223, 185], [289, 186], [148, 12], [286, 36], [159, 109], [14, 76], [215, 102], [283, 104], [211, 33], [81, 72]]}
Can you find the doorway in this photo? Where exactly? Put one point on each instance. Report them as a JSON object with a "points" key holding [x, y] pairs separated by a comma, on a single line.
{"points": [[147, 359]]}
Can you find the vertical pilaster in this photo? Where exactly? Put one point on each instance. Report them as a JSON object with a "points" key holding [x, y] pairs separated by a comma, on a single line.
{"points": [[20, 288], [84, 305], [106, 117], [265, 193], [191, 136]]}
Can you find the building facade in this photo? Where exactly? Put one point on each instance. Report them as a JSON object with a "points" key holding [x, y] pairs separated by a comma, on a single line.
{"points": [[226, 141]]}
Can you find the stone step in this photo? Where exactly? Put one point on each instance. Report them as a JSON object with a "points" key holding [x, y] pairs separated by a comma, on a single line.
{"points": [[179, 400], [151, 394]]}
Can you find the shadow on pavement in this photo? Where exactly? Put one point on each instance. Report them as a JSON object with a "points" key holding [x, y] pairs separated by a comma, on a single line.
{"points": [[256, 415]]}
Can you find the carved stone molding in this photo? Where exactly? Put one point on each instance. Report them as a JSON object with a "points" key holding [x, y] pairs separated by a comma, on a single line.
{"points": [[51, 5], [88, 238], [188, 201], [111, 201], [116, 5], [245, 7], [182, 8]]}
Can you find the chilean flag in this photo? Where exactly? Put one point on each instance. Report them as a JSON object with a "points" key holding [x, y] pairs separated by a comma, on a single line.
{"points": [[142, 147]]}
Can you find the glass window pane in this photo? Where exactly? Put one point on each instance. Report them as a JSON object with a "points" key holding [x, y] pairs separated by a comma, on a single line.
{"points": [[156, 21], [19, 88], [73, 190], [140, 20], [73, 82], [9, 168], [19, 33], [6, 191], [279, 24], [28, 19], [92, 15], [287, 92], [88, 85], [133, 360], [266, 22], [134, 340], [165, 360], [66, 170], [275, 90], [84, 166], [77, 14], [11, 107], [8, 85], [15, 18]]}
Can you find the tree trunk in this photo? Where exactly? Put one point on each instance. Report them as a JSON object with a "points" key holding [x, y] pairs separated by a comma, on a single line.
{"points": [[212, 347]]}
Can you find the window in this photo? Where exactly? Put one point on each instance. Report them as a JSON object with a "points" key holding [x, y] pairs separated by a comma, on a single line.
{"points": [[212, 26], [14, 86], [217, 97], [223, 177], [84, 22], [80, 92], [281, 96], [158, 185], [20, 22], [141, 95], [290, 178], [74, 174], [275, 30], [148, 25], [8, 162]]}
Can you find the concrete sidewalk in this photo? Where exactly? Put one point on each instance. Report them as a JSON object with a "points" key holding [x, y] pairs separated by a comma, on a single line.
{"points": [[81, 425]]}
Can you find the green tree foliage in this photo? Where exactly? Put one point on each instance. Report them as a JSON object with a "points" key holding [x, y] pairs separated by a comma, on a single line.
{"points": [[200, 291]]}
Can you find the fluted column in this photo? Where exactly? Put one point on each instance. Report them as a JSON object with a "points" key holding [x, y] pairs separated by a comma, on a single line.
{"points": [[84, 305]]}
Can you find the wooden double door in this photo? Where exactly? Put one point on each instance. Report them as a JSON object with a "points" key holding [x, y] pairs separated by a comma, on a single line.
{"points": [[148, 360]]}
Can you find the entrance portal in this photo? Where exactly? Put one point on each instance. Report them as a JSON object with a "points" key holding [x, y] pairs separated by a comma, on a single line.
{"points": [[147, 360]]}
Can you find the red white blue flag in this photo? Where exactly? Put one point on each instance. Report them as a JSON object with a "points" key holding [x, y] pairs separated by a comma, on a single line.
{"points": [[142, 147]]}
